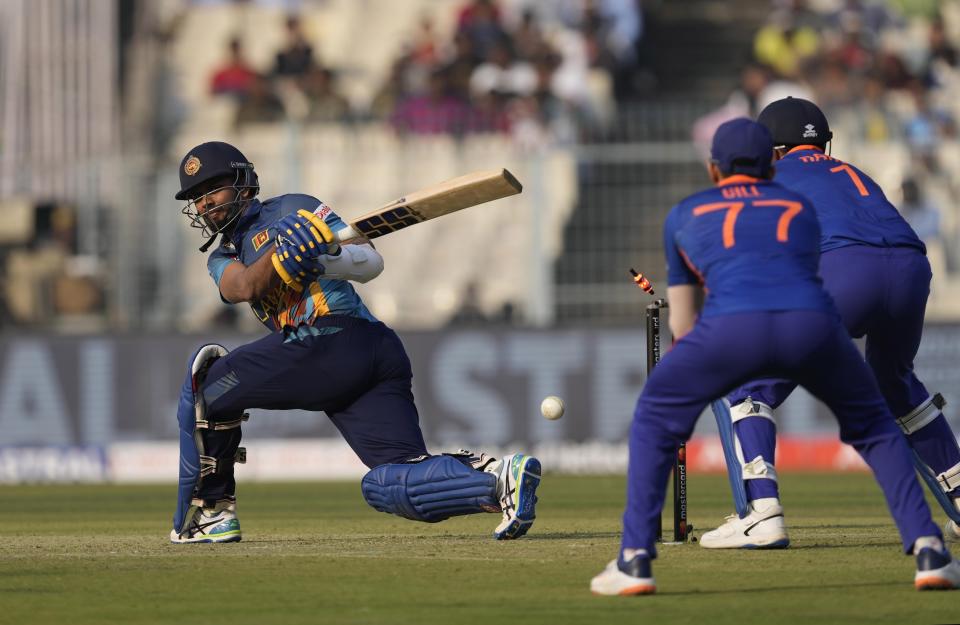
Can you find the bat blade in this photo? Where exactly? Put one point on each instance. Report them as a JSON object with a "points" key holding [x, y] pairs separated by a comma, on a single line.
{"points": [[431, 202]]}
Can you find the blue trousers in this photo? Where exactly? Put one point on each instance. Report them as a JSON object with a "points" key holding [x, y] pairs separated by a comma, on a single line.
{"points": [[354, 370], [881, 293], [723, 352]]}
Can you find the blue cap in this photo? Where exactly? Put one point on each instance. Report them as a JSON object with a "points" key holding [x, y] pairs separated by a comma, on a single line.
{"points": [[742, 146], [211, 160]]}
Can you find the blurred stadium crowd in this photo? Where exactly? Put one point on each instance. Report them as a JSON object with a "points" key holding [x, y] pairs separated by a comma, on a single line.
{"points": [[535, 75]]}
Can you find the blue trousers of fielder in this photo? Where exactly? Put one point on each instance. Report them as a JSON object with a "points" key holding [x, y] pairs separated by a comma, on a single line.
{"points": [[881, 293], [723, 352]]}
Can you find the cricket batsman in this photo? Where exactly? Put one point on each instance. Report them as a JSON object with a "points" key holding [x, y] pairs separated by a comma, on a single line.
{"points": [[875, 268], [325, 351], [754, 246]]}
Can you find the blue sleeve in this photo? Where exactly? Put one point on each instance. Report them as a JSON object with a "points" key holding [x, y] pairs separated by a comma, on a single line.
{"points": [[294, 201], [217, 262], [677, 270]]}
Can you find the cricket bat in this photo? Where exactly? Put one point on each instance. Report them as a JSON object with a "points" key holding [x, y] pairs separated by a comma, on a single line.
{"points": [[434, 201]]}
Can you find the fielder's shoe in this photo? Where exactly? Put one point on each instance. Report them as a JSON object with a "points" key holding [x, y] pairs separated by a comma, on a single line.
{"points": [[763, 528], [951, 531], [518, 477], [630, 577], [936, 570], [212, 525]]}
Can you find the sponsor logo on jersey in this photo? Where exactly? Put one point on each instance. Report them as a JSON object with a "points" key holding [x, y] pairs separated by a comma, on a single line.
{"points": [[809, 131], [322, 211], [260, 239], [192, 166]]}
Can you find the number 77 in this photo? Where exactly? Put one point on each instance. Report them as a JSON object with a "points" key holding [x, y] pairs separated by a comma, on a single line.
{"points": [[733, 211]]}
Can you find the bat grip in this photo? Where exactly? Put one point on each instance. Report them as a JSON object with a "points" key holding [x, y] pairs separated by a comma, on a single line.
{"points": [[345, 234]]}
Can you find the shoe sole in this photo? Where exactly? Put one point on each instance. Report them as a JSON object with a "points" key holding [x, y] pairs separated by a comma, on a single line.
{"points": [[934, 583], [232, 538], [782, 543], [630, 591], [526, 501]]}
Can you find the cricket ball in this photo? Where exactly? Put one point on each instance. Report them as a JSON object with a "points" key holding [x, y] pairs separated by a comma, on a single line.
{"points": [[551, 408]]}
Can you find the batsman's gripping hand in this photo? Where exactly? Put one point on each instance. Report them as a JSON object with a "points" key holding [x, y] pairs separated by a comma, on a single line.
{"points": [[302, 238]]}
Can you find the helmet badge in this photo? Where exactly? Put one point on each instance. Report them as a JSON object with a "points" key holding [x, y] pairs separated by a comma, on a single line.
{"points": [[809, 131], [192, 166]]}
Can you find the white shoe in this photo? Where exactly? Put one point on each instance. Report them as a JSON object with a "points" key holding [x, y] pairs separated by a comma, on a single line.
{"points": [[761, 529], [518, 477], [625, 578], [212, 525], [936, 570], [951, 531]]}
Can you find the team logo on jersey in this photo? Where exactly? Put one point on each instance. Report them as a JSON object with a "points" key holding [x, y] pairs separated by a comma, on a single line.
{"points": [[192, 166], [260, 239], [809, 131]]}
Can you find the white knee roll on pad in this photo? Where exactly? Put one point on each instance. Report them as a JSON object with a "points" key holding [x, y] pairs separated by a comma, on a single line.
{"points": [[950, 479], [750, 408], [922, 415]]}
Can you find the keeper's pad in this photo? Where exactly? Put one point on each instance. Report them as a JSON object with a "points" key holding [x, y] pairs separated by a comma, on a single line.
{"points": [[431, 490], [191, 417], [922, 415], [738, 469]]}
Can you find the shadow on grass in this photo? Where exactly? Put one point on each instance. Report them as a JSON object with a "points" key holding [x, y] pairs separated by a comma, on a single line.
{"points": [[802, 587]]}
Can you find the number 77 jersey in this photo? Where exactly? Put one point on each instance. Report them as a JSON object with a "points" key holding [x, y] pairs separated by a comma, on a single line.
{"points": [[753, 244]]}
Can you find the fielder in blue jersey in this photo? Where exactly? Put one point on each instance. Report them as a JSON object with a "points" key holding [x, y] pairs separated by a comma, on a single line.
{"points": [[325, 351], [875, 268], [755, 247]]}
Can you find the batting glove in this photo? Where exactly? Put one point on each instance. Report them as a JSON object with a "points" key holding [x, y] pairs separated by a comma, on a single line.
{"points": [[295, 269], [311, 235]]}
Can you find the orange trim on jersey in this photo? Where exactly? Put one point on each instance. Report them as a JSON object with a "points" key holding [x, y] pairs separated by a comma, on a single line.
{"points": [[739, 179], [691, 267], [806, 147]]}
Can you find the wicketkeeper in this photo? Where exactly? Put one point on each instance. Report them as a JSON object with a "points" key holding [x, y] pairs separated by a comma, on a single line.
{"points": [[325, 351]]}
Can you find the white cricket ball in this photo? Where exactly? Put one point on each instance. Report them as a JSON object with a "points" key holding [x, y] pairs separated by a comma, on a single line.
{"points": [[551, 408]]}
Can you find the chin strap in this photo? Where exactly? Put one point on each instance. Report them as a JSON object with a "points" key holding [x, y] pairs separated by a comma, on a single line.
{"points": [[206, 246]]}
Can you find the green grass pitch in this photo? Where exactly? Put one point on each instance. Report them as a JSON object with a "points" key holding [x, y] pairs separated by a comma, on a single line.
{"points": [[315, 553]]}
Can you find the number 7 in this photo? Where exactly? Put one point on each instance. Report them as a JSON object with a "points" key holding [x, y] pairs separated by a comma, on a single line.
{"points": [[853, 176]]}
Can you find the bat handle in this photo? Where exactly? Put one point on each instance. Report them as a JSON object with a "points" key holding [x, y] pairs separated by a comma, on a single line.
{"points": [[345, 234]]}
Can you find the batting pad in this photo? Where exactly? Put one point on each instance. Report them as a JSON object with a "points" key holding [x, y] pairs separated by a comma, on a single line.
{"points": [[431, 490]]}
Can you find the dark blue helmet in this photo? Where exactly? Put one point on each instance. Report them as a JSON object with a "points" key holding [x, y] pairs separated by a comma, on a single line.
{"points": [[210, 161], [742, 146], [795, 121]]}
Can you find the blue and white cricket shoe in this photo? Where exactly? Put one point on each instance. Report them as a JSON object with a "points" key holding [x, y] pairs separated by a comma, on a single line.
{"points": [[212, 525], [626, 576], [518, 477], [936, 570]]}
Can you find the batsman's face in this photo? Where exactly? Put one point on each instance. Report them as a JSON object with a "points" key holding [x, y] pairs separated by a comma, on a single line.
{"points": [[214, 200]]}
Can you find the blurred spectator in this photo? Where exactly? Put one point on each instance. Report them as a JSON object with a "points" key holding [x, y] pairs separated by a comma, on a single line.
{"points": [[326, 103], [432, 112], [528, 40], [295, 60], [502, 74], [926, 128], [480, 21], [425, 49], [470, 311], [942, 56], [922, 216], [260, 105], [785, 45], [459, 67], [233, 78], [874, 122]]}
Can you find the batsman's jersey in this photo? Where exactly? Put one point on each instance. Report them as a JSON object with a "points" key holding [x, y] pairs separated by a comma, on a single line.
{"points": [[852, 208], [283, 306], [753, 244]]}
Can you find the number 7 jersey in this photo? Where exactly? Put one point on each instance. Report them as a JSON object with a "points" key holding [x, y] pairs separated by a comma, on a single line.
{"points": [[753, 244]]}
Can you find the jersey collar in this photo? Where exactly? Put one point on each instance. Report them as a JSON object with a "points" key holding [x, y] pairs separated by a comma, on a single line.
{"points": [[805, 148], [739, 179]]}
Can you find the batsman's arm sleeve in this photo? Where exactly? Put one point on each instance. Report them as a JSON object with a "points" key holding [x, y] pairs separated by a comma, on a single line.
{"points": [[359, 263]]}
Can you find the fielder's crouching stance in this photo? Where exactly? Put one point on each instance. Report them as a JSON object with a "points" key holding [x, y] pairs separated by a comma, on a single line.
{"points": [[325, 352], [750, 235]]}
